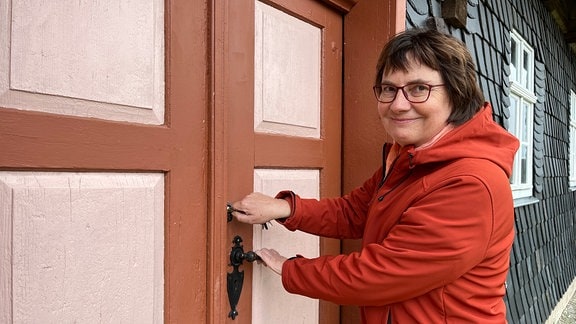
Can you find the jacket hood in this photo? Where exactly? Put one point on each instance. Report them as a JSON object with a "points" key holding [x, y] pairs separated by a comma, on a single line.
{"points": [[480, 137]]}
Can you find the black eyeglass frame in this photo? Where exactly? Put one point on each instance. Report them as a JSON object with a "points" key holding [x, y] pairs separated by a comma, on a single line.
{"points": [[378, 89]]}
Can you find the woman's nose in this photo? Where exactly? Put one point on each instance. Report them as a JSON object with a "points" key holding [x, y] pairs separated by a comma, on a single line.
{"points": [[400, 103]]}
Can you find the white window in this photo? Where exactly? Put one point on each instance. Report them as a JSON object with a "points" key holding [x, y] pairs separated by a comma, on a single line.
{"points": [[522, 100], [572, 140]]}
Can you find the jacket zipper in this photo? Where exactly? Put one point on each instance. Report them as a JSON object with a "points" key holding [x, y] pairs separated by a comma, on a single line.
{"points": [[410, 167]]}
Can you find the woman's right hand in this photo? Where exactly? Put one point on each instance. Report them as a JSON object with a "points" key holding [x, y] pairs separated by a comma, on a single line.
{"points": [[257, 208]]}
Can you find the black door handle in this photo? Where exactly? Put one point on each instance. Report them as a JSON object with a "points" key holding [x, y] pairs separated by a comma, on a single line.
{"points": [[236, 277]]}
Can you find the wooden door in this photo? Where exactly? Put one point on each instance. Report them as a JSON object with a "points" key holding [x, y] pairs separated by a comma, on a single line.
{"points": [[103, 161], [277, 126]]}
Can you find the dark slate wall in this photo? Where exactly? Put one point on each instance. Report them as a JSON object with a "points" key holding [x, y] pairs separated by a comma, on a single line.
{"points": [[543, 260]]}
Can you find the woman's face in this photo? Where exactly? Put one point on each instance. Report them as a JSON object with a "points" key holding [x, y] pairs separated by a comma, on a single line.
{"points": [[415, 123]]}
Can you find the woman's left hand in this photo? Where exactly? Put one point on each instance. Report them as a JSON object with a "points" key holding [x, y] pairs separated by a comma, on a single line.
{"points": [[272, 259]]}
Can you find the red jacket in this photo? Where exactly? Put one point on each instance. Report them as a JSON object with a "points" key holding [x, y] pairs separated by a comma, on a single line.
{"points": [[436, 232]]}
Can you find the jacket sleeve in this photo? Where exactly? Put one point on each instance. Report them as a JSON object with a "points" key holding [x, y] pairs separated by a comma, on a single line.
{"points": [[437, 240], [341, 218]]}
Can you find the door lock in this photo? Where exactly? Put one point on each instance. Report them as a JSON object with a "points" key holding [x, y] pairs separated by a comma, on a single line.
{"points": [[236, 277]]}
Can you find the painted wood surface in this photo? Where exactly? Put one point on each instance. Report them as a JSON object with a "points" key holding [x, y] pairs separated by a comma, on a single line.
{"points": [[81, 247], [102, 59], [270, 302]]}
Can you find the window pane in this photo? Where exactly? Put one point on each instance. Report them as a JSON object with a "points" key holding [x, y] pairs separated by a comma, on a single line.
{"points": [[572, 147], [523, 164], [572, 153], [513, 109], [513, 61], [524, 175], [515, 170], [525, 78], [525, 122], [573, 107]]}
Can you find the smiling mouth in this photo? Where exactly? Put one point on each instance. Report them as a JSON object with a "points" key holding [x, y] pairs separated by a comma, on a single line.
{"points": [[402, 121]]}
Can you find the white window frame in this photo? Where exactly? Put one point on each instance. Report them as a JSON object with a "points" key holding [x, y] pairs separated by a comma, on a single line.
{"points": [[572, 179], [522, 102]]}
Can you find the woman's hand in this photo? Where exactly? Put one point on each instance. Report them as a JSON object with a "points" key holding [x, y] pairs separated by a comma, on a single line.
{"points": [[257, 208], [272, 259]]}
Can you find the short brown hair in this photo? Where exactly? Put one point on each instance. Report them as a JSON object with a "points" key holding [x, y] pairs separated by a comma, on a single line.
{"points": [[443, 53]]}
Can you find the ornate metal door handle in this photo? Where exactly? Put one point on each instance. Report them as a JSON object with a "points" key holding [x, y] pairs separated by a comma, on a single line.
{"points": [[236, 277]]}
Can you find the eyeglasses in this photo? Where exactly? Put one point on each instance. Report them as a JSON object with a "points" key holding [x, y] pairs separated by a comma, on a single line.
{"points": [[415, 93]]}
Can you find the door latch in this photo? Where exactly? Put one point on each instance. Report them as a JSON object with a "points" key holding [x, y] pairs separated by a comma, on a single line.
{"points": [[236, 277]]}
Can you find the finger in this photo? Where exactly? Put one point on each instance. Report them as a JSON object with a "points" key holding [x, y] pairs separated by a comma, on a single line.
{"points": [[265, 254], [273, 259], [262, 252], [262, 256], [238, 208], [244, 218], [270, 256]]}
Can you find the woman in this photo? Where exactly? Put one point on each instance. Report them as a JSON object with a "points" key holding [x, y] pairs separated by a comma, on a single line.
{"points": [[436, 220]]}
